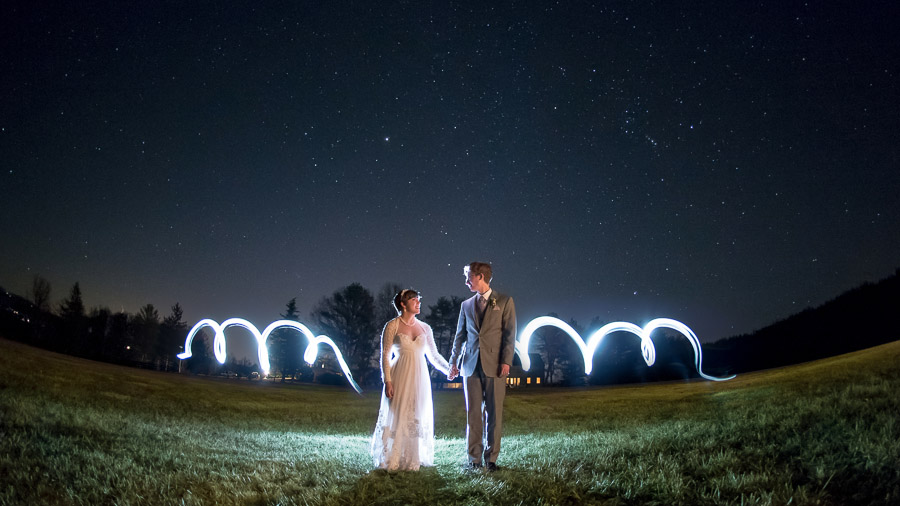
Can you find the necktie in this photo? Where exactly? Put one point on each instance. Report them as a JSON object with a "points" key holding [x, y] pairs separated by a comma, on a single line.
{"points": [[482, 305]]}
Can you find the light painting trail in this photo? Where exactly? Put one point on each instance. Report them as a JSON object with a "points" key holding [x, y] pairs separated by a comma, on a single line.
{"points": [[648, 351], [587, 350], [312, 350]]}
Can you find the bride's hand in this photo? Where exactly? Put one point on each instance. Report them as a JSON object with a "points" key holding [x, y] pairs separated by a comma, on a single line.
{"points": [[389, 390]]}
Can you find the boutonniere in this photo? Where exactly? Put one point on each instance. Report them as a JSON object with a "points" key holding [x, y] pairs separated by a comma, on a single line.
{"points": [[493, 302]]}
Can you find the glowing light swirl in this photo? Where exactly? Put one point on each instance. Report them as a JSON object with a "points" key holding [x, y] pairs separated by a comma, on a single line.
{"points": [[312, 350], [648, 351]]}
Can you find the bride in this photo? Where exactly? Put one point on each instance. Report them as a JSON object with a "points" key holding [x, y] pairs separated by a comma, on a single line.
{"points": [[404, 432]]}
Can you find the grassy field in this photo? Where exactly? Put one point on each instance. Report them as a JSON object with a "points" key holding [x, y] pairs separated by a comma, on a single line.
{"points": [[80, 432]]}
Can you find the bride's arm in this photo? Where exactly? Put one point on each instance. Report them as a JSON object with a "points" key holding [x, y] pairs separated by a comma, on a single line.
{"points": [[387, 342], [431, 351]]}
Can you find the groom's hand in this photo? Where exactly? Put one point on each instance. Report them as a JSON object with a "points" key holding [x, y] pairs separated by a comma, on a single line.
{"points": [[504, 370], [454, 372]]}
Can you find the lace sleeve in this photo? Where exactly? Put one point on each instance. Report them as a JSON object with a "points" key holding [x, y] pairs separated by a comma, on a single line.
{"points": [[387, 342], [431, 351]]}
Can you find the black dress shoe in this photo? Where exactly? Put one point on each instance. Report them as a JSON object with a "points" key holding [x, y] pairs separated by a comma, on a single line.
{"points": [[472, 466], [491, 467]]}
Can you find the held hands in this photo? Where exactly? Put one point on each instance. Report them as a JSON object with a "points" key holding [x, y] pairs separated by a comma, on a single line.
{"points": [[389, 390], [454, 371]]}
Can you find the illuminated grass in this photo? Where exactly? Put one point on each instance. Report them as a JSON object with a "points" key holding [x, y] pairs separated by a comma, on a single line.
{"points": [[79, 432]]}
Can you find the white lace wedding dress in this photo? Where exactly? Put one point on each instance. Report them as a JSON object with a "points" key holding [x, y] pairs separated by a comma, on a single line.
{"points": [[404, 432]]}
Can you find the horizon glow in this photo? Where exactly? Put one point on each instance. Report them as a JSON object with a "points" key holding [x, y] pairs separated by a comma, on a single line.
{"points": [[312, 349], [648, 351]]}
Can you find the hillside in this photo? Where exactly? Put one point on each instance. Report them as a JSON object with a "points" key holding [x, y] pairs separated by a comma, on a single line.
{"points": [[857, 319]]}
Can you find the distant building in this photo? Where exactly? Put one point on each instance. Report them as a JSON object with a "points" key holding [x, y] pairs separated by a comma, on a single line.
{"points": [[517, 378]]}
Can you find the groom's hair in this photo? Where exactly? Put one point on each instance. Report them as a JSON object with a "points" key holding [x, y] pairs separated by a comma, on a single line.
{"points": [[480, 268]]}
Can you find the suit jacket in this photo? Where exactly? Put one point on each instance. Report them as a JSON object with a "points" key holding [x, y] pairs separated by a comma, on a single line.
{"points": [[493, 339]]}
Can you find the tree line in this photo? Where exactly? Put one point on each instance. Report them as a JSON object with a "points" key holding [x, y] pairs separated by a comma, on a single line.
{"points": [[352, 316], [143, 340]]}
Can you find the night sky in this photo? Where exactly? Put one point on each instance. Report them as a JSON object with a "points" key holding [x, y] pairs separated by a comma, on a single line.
{"points": [[726, 164]]}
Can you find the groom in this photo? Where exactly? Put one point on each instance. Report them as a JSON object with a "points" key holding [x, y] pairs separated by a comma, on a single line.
{"points": [[484, 345]]}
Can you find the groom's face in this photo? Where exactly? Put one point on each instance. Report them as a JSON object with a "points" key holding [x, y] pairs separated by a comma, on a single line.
{"points": [[474, 281]]}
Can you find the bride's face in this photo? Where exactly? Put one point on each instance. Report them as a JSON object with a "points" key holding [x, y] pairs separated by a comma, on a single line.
{"points": [[412, 305]]}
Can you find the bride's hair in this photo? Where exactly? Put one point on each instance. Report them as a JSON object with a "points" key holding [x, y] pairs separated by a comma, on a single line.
{"points": [[403, 296]]}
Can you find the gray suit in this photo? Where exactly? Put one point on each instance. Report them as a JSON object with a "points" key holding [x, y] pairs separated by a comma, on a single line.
{"points": [[479, 348]]}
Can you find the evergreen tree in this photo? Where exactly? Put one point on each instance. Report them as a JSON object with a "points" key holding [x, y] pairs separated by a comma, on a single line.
{"points": [[202, 360], [73, 306], [172, 333], [71, 312], [287, 346]]}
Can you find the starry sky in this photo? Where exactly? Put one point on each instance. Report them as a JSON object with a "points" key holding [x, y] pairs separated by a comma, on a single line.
{"points": [[726, 164]]}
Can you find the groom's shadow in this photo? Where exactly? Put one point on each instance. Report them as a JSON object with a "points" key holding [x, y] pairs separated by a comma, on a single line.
{"points": [[425, 486]]}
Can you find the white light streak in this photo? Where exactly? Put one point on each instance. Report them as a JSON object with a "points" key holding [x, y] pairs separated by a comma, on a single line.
{"points": [[587, 350], [309, 355], [648, 350]]}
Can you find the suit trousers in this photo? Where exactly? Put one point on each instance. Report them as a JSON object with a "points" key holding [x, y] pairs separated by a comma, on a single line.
{"points": [[484, 415]]}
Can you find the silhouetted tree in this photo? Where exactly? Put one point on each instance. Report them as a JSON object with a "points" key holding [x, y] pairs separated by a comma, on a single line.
{"points": [[619, 360], [71, 312], [73, 306], [201, 361], [384, 304], [443, 317], [571, 362], [287, 346], [118, 338], [40, 293], [384, 312], [348, 317], [42, 322], [97, 332], [674, 357], [145, 329], [562, 358], [172, 333]]}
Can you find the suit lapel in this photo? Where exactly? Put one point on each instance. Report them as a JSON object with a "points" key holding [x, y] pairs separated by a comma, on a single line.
{"points": [[488, 313], [473, 313]]}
